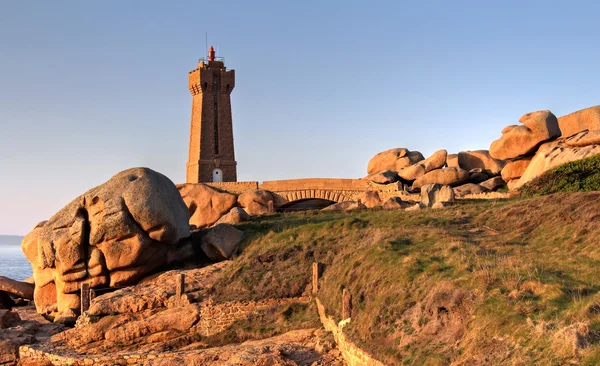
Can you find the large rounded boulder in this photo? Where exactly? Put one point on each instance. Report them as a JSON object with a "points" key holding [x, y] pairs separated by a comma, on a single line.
{"points": [[256, 202], [445, 176], [205, 203], [112, 235], [537, 127], [393, 159], [585, 119], [480, 159], [435, 161]]}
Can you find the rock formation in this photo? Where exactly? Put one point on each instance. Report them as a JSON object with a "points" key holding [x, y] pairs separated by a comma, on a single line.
{"points": [[112, 235], [515, 169], [585, 119], [445, 176], [480, 159], [384, 177], [18, 289], [221, 242], [205, 204], [256, 203], [493, 184], [436, 161], [550, 157], [436, 194], [235, 216], [345, 206], [369, 198], [394, 203], [537, 127], [469, 188], [394, 160]]}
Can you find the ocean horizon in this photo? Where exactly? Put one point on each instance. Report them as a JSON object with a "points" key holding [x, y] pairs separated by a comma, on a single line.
{"points": [[13, 263]]}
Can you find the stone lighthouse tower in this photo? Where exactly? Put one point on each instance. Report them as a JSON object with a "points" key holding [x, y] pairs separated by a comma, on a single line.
{"points": [[211, 156]]}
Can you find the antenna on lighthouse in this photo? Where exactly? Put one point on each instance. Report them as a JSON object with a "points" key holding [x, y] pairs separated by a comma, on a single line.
{"points": [[206, 38]]}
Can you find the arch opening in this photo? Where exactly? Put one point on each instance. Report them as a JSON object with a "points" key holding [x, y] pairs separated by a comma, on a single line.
{"points": [[305, 205]]}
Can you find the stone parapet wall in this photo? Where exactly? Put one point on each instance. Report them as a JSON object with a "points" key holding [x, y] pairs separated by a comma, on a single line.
{"points": [[231, 187], [352, 354], [332, 184], [235, 187]]}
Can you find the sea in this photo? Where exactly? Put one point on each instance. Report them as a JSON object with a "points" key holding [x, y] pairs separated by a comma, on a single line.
{"points": [[13, 263]]}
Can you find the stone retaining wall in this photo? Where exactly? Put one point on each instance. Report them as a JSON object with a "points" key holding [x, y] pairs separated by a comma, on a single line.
{"points": [[353, 355], [217, 318], [214, 318]]}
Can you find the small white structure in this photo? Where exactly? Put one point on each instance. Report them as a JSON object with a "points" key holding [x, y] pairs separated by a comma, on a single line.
{"points": [[217, 175]]}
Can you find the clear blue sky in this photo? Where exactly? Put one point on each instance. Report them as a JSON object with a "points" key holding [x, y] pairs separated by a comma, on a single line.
{"points": [[89, 88]]}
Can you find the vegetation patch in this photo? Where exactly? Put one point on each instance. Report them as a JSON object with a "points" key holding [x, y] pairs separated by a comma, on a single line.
{"points": [[577, 176], [484, 282]]}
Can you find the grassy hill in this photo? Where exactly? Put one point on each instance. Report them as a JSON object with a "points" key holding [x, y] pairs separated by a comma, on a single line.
{"points": [[577, 176], [514, 282]]}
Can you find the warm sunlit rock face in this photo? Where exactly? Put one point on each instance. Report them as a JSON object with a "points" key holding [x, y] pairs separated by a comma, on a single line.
{"points": [[112, 235], [524, 139]]}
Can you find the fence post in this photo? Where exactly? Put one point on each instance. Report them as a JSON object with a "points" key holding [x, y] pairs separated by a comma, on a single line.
{"points": [[85, 297], [317, 271], [346, 304], [180, 285], [271, 207]]}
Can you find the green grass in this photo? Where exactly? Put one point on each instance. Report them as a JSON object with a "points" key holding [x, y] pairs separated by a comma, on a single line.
{"points": [[577, 176], [477, 283]]}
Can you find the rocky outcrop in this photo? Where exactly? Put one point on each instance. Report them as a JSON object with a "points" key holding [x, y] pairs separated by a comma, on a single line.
{"points": [[393, 159], [493, 184], [522, 140], [480, 159], [8, 319], [221, 242], [384, 177], [515, 169], [469, 188], [205, 204], [445, 176], [478, 177], [256, 202], [234, 217], [436, 194], [551, 156], [157, 291], [394, 203], [435, 161], [18, 289], [452, 161], [585, 119], [584, 138], [22, 326], [345, 206], [369, 198], [112, 235]]}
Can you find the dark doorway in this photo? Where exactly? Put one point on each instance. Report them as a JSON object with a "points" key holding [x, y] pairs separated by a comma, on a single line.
{"points": [[305, 205]]}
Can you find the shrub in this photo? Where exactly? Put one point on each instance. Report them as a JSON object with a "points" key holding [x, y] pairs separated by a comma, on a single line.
{"points": [[576, 176]]}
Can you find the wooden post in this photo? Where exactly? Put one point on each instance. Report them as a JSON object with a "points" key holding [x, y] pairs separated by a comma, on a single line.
{"points": [[346, 304], [180, 286], [317, 271], [271, 206], [85, 297]]}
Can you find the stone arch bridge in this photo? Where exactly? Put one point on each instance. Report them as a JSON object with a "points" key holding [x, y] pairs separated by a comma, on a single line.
{"points": [[290, 191]]}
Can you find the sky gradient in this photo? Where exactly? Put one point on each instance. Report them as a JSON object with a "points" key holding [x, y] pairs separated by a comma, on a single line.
{"points": [[90, 88]]}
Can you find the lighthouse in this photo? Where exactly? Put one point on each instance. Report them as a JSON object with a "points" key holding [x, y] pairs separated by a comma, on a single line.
{"points": [[211, 153]]}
